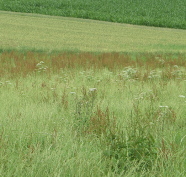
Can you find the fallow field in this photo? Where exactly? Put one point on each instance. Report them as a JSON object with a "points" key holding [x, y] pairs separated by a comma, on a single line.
{"points": [[90, 114]]}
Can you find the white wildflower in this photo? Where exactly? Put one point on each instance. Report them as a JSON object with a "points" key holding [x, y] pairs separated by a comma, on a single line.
{"points": [[163, 106], [92, 89], [181, 96]]}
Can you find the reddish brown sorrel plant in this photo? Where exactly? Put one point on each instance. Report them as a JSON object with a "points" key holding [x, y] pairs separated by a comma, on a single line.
{"points": [[101, 123]]}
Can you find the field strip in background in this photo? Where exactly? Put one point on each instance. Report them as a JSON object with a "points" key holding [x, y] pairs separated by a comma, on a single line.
{"points": [[32, 31]]}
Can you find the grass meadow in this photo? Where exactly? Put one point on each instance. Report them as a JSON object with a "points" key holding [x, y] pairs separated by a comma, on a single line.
{"points": [[92, 98], [37, 32], [157, 13], [85, 114]]}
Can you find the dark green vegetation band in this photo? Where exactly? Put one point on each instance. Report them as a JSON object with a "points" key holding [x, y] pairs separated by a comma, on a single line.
{"points": [[166, 13]]}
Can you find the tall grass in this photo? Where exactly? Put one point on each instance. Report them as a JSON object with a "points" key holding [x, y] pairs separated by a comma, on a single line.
{"points": [[157, 13], [82, 114]]}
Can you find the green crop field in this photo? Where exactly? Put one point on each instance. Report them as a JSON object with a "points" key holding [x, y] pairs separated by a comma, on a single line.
{"points": [[82, 97], [159, 13]]}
